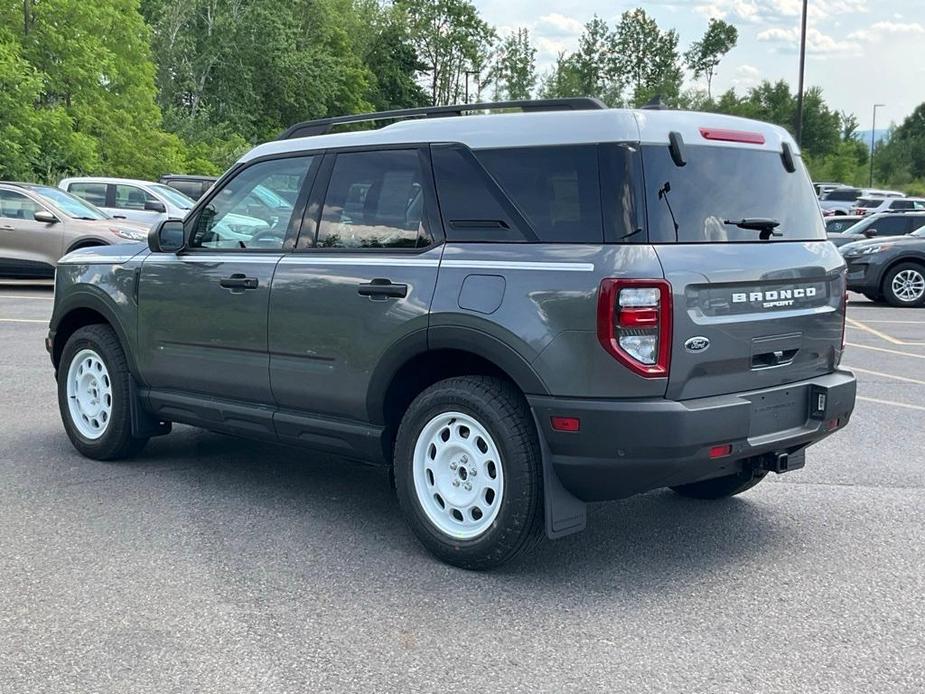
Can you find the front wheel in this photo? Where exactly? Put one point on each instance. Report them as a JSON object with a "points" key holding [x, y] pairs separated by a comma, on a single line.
{"points": [[468, 472], [904, 285], [720, 487], [93, 395]]}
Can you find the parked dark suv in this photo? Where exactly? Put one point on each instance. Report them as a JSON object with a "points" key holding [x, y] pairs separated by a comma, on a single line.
{"points": [[519, 313]]}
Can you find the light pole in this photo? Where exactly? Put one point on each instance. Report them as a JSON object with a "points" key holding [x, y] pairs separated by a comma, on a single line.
{"points": [[474, 73], [873, 134], [799, 127]]}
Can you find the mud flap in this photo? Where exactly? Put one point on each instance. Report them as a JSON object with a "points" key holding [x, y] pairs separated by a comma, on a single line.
{"points": [[144, 424], [565, 514]]}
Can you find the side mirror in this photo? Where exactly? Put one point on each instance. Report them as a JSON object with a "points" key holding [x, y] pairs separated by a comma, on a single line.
{"points": [[870, 232], [167, 236], [155, 206], [45, 217]]}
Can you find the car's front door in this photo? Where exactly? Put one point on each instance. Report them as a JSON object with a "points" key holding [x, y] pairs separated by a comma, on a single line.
{"points": [[203, 311], [28, 248], [359, 284]]}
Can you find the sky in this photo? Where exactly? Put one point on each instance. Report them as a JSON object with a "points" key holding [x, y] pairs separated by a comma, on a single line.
{"points": [[860, 52]]}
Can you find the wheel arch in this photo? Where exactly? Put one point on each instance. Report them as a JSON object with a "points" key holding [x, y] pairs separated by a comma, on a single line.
{"points": [[88, 242], [81, 309], [423, 358], [914, 259]]}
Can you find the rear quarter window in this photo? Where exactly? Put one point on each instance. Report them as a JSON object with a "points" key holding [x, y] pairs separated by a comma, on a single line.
{"points": [[691, 204]]}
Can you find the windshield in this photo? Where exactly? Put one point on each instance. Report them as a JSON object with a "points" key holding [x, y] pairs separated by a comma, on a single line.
{"points": [[71, 205], [174, 197], [728, 195]]}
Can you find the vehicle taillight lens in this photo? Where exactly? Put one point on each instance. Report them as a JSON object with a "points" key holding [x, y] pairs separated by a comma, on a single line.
{"points": [[844, 318], [634, 324]]}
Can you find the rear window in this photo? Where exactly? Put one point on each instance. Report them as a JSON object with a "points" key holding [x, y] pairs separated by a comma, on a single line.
{"points": [[869, 204], [691, 204], [843, 195]]}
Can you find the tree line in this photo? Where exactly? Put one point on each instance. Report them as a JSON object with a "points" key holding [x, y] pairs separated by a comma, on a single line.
{"points": [[144, 87]]}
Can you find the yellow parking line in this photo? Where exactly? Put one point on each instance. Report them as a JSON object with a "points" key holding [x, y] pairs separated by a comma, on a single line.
{"points": [[23, 320], [880, 373], [899, 322], [884, 349], [892, 402], [883, 336]]}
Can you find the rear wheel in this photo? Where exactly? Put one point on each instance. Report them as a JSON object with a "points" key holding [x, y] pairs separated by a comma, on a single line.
{"points": [[720, 487], [904, 285], [93, 395], [468, 472]]}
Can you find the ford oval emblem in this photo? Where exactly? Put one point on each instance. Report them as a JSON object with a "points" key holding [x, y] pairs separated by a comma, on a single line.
{"points": [[697, 344]]}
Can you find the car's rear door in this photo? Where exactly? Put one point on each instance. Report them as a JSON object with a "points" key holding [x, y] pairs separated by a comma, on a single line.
{"points": [[357, 288], [203, 311], [747, 313]]}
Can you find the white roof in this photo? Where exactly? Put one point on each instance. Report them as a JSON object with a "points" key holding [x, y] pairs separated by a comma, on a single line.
{"points": [[105, 179], [543, 128]]}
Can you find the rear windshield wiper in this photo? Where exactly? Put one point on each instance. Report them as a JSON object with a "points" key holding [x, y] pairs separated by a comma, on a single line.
{"points": [[763, 224]]}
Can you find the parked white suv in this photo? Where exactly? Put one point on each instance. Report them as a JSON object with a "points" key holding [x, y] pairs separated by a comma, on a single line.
{"points": [[141, 201], [842, 200], [866, 206]]}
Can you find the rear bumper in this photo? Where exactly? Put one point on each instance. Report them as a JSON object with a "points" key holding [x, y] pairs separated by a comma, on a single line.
{"points": [[626, 447]]}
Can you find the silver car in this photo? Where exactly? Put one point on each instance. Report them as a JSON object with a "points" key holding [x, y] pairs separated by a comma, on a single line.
{"points": [[140, 201], [39, 224]]}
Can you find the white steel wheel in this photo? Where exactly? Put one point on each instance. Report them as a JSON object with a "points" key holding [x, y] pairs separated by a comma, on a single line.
{"points": [[908, 285], [458, 477], [89, 394]]}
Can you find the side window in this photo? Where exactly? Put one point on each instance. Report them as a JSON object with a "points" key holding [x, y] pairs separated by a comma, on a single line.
{"points": [[254, 209], [556, 188], [17, 206], [891, 226], [131, 197], [474, 208], [375, 200], [916, 222], [902, 205], [94, 193]]}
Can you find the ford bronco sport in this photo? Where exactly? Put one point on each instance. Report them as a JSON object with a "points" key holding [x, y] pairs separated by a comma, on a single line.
{"points": [[519, 312]]}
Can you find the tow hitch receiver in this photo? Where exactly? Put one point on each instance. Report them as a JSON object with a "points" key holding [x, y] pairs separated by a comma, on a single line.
{"points": [[782, 461]]}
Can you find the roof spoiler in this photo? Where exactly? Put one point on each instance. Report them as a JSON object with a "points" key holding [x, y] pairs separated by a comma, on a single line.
{"points": [[323, 126]]}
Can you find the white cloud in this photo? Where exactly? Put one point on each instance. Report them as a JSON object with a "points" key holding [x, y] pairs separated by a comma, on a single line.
{"points": [[746, 76], [557, 25], [880, 30], [817, 43], [777, 11]]}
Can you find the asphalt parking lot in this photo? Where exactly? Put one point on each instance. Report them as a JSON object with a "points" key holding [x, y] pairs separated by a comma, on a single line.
{"points": [[215, 564]]}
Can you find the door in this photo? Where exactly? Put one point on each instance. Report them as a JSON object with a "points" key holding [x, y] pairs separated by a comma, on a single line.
{"points": [[893, 225], [28, 248], [203, 311], [358, 287], [132, 203]]}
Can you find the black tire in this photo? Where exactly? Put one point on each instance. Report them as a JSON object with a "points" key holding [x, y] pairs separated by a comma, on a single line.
{"points": [[890, 295], [116, 440], [720, 487], [501, 409]]}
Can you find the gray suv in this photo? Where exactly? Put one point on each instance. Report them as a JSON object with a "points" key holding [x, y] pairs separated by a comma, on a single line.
{"points": [[518, 313]]}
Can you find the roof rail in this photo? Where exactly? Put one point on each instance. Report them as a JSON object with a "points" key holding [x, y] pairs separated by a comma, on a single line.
{"points": [[322, 126]]}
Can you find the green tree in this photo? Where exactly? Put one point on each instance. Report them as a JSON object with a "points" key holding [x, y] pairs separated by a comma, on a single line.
{"points": [[96, 102], [514, 72], [704, 55], [450, 38], [647, 57], [563, 79]]}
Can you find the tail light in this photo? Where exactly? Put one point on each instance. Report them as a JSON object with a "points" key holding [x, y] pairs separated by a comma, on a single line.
{"points": [[844, 318], [634, 324]]}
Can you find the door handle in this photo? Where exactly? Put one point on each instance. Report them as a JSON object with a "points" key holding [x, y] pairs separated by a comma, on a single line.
{"points": [[239, 281], [7, 227], [384, 288]]}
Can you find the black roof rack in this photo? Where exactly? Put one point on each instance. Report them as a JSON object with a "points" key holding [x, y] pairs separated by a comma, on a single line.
{"points": [[323, 126]]}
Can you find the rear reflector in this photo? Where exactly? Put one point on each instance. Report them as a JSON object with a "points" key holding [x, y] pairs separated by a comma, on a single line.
{"points": [[565, 423], [721, 451], [732, 136]]}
